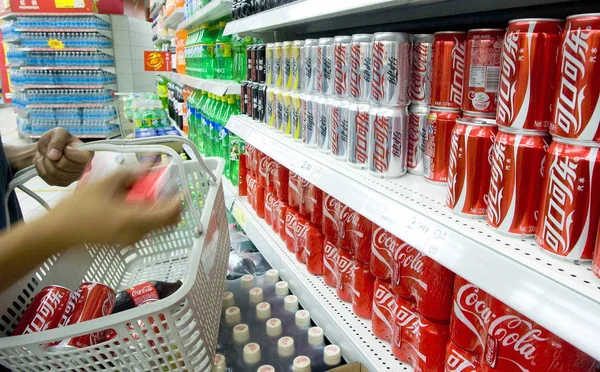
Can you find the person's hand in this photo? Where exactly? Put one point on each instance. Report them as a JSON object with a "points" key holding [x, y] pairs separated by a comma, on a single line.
{"points": [[57, 161], [98, 213]]}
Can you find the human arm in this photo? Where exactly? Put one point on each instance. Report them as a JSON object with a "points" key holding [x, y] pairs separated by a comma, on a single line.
{"points": [[95, 213]]}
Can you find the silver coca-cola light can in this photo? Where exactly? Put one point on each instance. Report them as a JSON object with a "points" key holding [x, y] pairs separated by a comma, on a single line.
{"points": [[324, 82], [324, 106], [391, 68], [417, 136], [309, 116], [339, 129], [358, 134], [420, 80], [359, 77], [388, 141], [308, 56], [341, 65]]}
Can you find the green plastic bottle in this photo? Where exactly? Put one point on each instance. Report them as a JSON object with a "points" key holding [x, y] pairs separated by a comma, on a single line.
{"points": [[192, 102], [236, 149], [206, 53], [210, 124], [163, 92], [223, 54], [198, 120]]}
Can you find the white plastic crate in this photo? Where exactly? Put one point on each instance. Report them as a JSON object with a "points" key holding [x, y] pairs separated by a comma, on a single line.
{"points": [[177, 333]]}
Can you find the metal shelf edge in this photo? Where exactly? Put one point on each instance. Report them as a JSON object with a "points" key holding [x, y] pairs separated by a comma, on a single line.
{"points": [[214, 10]]}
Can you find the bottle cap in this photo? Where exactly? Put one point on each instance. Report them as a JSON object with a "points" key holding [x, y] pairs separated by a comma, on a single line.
{"points": [[281, 289], [290, 303], [232, 315], [274, 327], [332, 355], [247, 281], [315, 336], [227, 300], [266, 368], [301, 364], [219, 363], [252, 353], [256, 295], [272, 276], [263, 310], [302, 318], [241, 333], [285, 346]]}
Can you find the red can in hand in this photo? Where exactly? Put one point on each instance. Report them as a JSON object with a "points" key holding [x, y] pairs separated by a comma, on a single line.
{"points": [[90, 301], [448, 69], [45, 310], [362, 290], [384, 310]]}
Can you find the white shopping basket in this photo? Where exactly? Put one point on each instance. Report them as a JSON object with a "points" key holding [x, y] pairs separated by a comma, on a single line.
{"points": [[178, 333]]}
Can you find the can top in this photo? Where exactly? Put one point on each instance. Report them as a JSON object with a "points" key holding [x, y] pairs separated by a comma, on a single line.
{"points": [[325, 40], [286, 43], [525, 132], [311, 41], [261, 46], [583, 15], [342, 39], [571, 141], [392, 36], [362, 37], [444, 109], [298, 42], [278, 44], [270, 45], [487, 29], [477, 121], [422, 37], [450, 32], [535, 20]]}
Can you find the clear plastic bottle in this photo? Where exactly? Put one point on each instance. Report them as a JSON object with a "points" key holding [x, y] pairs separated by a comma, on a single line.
{"points": [[223, 54], [206, 53]]}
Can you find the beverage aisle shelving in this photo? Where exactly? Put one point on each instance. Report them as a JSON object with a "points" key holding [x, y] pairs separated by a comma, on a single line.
{"points": [[546, 289], [213, 11], [174, 19], [215, 86]]}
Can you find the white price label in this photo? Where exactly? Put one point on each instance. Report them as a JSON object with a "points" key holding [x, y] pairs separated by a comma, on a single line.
{"points": [[233, 126], [309, 170], [239, 216], [432, 238], [377, 207]]}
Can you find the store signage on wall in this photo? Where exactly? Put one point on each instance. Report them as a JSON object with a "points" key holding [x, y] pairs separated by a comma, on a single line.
{"points": [[157, 61], [47, 6]]}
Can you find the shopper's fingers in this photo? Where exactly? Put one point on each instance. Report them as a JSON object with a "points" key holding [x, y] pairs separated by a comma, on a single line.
{"points": [[76, 156], [44, 174], [121, 180], [160, 215], [53, 143]]}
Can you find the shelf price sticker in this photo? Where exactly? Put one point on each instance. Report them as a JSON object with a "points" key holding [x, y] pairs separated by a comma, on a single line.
{"points": [[377, 208], [308, 169], [239, 215], [432, 238]]}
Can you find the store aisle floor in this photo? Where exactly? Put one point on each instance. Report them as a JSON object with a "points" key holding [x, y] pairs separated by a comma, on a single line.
{"points": [[52, 195]]}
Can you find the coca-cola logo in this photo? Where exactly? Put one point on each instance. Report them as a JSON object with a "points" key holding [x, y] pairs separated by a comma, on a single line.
{"points": [[141, 291], [269, 201], [335, 121], [472, 311], [341, 53], [506, 92], [301, 230], [413, 141], [556, 227], [385, 305], [329, 208], [377, 85], [411, 321], [290, 224], [458, 71], [407, 256], [381, 139], [344, 264], [44, 313], [355, 70], [308, 65], [568, 113], [510, 331], [458, 363], [320, 70], [361, 123], [418, 82], [496, 191], [452, 170]]}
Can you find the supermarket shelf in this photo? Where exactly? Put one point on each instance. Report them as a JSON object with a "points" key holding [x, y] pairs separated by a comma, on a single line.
{"points": [[104, 17], [155, 10], [161, 41], [213, 11], [66, 105], [562, 296], [106, 33], [318, 15], [110, 69], [218, 87], [112, 134], [106, 86], [342, 327], [174, 19], [108, 51]]}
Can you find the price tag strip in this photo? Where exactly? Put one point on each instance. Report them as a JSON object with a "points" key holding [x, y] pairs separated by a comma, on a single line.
{"points": [[239, 215]]}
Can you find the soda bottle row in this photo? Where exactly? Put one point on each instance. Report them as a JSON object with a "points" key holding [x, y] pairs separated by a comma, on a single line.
{"points": [[145, 110], [69, 77], [60, 59], [62, 96], [62, 22], [211, 55], [69, 40], [245, 8], [208, 115], [433, 319]]}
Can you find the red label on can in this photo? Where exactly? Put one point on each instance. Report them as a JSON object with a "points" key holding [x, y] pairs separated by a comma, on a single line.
{"points": [[448, 70], [143, 294]]}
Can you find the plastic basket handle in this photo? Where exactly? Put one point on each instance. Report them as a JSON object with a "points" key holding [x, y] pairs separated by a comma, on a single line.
{"points": [[26, 174]]}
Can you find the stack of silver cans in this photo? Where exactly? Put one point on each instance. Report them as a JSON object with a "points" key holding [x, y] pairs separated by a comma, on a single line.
{"points": [[349, 97]]}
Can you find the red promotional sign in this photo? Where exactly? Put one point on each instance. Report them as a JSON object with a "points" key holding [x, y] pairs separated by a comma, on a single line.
{"points": [[157, 61]]}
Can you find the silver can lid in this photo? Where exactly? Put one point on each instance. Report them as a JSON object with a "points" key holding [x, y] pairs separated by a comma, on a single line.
{"points": [[365, 38], [422, 38], [392, 36], [483, 122], [308, 42], [342, 39], [325, 41]]}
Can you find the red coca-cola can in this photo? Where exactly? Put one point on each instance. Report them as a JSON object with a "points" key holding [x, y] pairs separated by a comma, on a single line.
{"points": [[303, 190], [45, 310], [362, 290], [308, 245], [330, 258], [482, 70], [526, 91], [568, 219], [417, 340], [344, 270], [461, 360], [383, 245], [383, 313], [313, 204], [471, 316], [256, 195], [269, 201], [578, 89], [448, 69], [265, 167], [345, 218], [420, 279], [279, 218], [417, 135], [291, 217], [90, 301], [436, 155], [294, 195], [329, 223], [361, 230], [515, 343], [280, 182], [420, 82], [469, 167], [513, 200]]}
